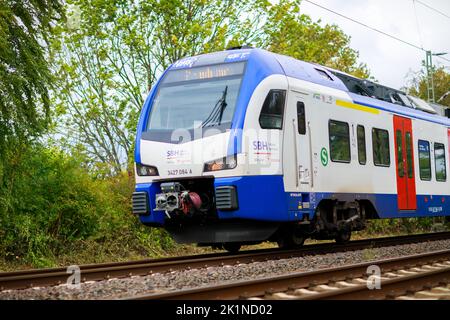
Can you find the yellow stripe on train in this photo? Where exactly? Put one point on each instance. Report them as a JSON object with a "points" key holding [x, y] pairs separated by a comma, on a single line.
{"points": [[355, 106]]}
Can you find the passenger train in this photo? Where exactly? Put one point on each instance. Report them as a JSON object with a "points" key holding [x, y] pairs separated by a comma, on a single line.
{"points": [[244, 146]]}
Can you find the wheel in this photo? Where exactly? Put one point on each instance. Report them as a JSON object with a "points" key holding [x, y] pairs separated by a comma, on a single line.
{"points": [[343, 237], [232, 247], [291, 241]]}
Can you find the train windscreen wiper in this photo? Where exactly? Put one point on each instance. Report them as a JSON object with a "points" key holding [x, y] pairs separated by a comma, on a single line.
{"points": [[223, 104], [215, 117]]}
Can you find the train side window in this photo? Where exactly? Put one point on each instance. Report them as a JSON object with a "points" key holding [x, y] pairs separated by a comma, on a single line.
{"points": [[301, 119], [400, 163], [271, 116], [409, 161], [339, 135], [424, 160], [439, 162], [380, 146], [361, 136]]}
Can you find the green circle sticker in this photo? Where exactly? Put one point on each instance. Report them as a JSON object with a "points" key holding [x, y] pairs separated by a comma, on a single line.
{"points": [[324, 156]]}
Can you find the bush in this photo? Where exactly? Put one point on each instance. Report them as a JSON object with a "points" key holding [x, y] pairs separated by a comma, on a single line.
{"points": [[405, 225], [50, 207]]}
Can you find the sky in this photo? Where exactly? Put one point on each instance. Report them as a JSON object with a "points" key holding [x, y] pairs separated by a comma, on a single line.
{"points": [[389, 60]]}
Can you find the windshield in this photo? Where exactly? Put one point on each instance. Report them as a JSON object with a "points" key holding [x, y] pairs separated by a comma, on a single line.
{"points": [[197, 97]]}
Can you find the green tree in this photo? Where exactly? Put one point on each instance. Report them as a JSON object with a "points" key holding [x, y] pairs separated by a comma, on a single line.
{"points": [[417, 85], [110, 57], [25, 29], [289, 32]]}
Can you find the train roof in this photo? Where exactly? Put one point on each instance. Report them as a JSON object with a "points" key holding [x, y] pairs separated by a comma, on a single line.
{"points": [[361, 91]]}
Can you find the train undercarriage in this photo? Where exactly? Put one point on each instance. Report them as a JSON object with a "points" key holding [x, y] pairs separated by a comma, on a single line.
{"points": [[334, 220], [191, 206]]}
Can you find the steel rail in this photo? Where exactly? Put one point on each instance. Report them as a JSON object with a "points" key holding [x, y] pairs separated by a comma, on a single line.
{"points": [[289, 282], [390, 288], [95, 272]]}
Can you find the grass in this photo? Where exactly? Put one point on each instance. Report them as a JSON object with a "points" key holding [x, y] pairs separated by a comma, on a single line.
{"points": [[90, 252], [93, 251]]}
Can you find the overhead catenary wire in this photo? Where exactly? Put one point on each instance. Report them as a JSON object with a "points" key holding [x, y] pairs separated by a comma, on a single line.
{"points": [[372, 28], [365, 25], [443, 58], [435, 10], [440, 12], [417, 23]]}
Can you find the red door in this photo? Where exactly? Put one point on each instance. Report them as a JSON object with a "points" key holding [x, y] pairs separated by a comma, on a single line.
{"points": [[404, 159]]}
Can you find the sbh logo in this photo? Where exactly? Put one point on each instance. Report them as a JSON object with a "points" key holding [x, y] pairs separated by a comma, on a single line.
{"points": [[374, 279]]}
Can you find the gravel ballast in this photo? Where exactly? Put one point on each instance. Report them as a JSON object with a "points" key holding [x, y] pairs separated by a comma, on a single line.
{"points": [[160, 282]]}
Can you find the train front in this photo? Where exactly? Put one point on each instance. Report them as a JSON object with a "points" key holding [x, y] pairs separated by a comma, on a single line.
{"points": [[190, 177]]}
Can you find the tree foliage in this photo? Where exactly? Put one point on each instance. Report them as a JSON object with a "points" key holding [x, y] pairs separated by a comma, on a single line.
{"points": [[25, 29], [50, 207], [112, 52], [111, 58], [417, 85], [287, 31]]}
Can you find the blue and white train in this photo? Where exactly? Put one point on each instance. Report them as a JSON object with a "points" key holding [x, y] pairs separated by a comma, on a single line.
{"points": [[243, 146]]}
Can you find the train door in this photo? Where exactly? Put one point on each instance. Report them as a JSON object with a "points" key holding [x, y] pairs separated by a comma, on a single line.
{"points": [[406, 184], [297, 144]]}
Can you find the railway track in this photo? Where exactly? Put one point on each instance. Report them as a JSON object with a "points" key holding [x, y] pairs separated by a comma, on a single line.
{"points": [[423, 276], [97, 272]]}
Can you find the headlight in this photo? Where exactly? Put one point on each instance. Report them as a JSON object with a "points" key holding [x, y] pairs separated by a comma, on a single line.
{"points": [[225, 163], [143, 170]]}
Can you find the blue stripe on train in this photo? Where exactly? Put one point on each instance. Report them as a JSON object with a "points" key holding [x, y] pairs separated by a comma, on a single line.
{"points": [[264, 198], [152, 189], [387, 205]]}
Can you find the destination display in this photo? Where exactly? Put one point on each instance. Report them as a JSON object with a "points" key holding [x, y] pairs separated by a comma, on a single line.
{"points": [[205, 72]]}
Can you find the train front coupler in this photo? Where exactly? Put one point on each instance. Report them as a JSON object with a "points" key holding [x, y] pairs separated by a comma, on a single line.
{"points": [[175, 200]]}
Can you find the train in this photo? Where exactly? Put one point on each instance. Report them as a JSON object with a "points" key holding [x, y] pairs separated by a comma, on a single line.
{"points": [[243, 146]]}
